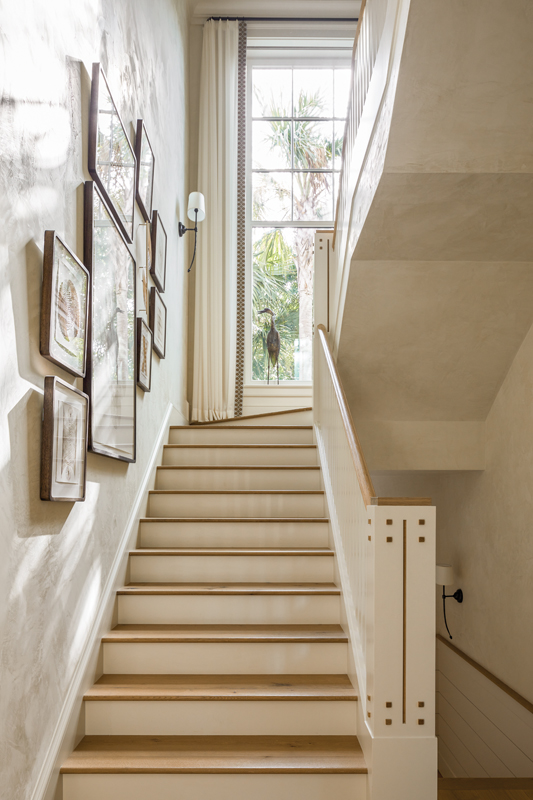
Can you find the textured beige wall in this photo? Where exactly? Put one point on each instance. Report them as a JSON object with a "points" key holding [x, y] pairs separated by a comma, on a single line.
{"points": [[55, 557], [484, 529]]}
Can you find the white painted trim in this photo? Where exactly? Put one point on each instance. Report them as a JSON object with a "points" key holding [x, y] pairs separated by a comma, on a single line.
{"points": [[69, 710], [203, 9]]}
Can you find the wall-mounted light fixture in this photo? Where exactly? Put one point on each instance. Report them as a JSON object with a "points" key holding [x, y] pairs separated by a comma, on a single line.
{"points": [[196, 213], [444, 579]]}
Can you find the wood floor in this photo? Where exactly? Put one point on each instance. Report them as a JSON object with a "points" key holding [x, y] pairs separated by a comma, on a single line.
{"points": [[486, 789]]}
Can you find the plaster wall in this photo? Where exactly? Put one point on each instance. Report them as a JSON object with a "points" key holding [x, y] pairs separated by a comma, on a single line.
{"points": [[484, 531], [55, 557]]}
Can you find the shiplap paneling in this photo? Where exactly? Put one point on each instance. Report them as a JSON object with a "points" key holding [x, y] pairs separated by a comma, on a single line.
{"points": [[482, 730]]}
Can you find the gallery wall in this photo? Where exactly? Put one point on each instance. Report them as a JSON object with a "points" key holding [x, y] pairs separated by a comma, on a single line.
{"points": [[55, 557]]}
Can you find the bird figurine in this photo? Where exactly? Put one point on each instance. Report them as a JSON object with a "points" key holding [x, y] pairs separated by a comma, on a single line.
{"points": [[273, 344]]}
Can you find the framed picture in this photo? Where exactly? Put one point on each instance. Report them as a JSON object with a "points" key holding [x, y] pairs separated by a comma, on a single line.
{"points": [[145, 170], [144, 262], [158, 322], [158, 270], [111, 355], [64, 306], [144, 355], [64, 442], [111, 156]]}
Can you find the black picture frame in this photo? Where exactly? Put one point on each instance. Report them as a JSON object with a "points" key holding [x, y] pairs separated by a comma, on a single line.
{"points": [[64, 307], [64, 442], [110, 381], [145, 341], [158, 322], [145, 171], [158, 268], [112, 162]]}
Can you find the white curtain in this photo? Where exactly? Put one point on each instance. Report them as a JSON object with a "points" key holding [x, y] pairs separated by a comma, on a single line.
{"points": [[216, 263]]}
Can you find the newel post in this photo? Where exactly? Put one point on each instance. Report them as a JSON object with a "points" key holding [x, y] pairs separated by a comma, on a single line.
{"points": [[400, 649]]}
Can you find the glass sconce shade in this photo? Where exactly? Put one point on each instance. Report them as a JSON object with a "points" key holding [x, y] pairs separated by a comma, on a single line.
{"points": [[444, 575], [196, 201]]}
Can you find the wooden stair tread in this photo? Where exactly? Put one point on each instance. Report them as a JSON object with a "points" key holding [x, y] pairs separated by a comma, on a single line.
{"points": [[226, 633], [230, 589], [238, 491], [235, 519], [222, 687], [232, 551], [245, 446], [216, 754], [242, 467], [247, 427], [251, 416]]}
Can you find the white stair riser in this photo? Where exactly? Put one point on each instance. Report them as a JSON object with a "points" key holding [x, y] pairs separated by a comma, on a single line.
{"points": [[288, 418], [242, 569], [238, 505], [240, 456], [225, 658], [220, 434], [229, 609], [221, 479], [220, 718], [154, 533], [211, 786]]}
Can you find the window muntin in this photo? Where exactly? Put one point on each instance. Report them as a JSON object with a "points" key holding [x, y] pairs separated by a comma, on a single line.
{"points": [[296, 131]]}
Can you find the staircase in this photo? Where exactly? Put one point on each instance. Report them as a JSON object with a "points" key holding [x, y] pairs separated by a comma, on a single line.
{"points": [[225, 676]]}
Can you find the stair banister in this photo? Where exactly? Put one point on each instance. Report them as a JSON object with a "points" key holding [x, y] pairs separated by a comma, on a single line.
{"points": [[385, 550]]}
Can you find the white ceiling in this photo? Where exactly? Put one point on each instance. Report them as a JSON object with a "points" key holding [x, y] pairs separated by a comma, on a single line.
{"points": [[276, 8]]}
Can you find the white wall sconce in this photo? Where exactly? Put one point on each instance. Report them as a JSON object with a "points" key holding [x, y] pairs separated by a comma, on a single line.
{"points": [[445, 578], [196, 213]]}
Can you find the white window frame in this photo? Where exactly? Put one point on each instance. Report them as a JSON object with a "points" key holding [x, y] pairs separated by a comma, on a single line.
{"points": [[288, 56]]}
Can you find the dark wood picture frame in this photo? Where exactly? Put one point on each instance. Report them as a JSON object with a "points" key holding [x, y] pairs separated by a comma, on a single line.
{"points": [[53, 447], [142, 328], [158, 271], [122, 215], [144, 203], [52, 329], [155, 302], [109, 332]]}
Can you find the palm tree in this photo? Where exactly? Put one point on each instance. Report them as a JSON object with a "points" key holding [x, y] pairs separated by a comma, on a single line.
{"points": [[275, 286]]}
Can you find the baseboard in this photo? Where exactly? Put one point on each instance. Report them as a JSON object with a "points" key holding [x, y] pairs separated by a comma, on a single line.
{"points": [[67, 731]]}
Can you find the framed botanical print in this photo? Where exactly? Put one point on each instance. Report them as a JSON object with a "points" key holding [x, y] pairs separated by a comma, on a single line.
{"points": [[111, 356], [144, 355], [64, 306], [158, 270], [145, 170], [158, 322], [112, 161], [144, 262], [64, 442]]}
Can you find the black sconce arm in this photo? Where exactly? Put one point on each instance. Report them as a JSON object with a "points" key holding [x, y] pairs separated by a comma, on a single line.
{"points": [[182, 229], [458, 595]]}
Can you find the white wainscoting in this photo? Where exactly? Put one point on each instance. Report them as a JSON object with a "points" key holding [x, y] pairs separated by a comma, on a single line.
{"points": [[482, 730]]}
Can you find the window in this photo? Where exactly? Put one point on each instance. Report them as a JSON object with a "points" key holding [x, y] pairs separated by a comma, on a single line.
{"points": [[296, 116]]}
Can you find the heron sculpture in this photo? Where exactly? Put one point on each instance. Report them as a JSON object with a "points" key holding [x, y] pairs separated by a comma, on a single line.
{"points": [[273, 344]]}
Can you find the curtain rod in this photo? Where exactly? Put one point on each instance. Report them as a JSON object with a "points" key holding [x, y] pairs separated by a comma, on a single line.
{"points": [[283, 19]]}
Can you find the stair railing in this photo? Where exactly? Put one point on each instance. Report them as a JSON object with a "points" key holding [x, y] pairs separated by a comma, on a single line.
{"points": [[385, 550], [376, 56], [364, 53]]}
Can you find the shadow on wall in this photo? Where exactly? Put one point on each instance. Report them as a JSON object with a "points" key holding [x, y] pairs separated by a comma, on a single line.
{"points": [[32, 516]]}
